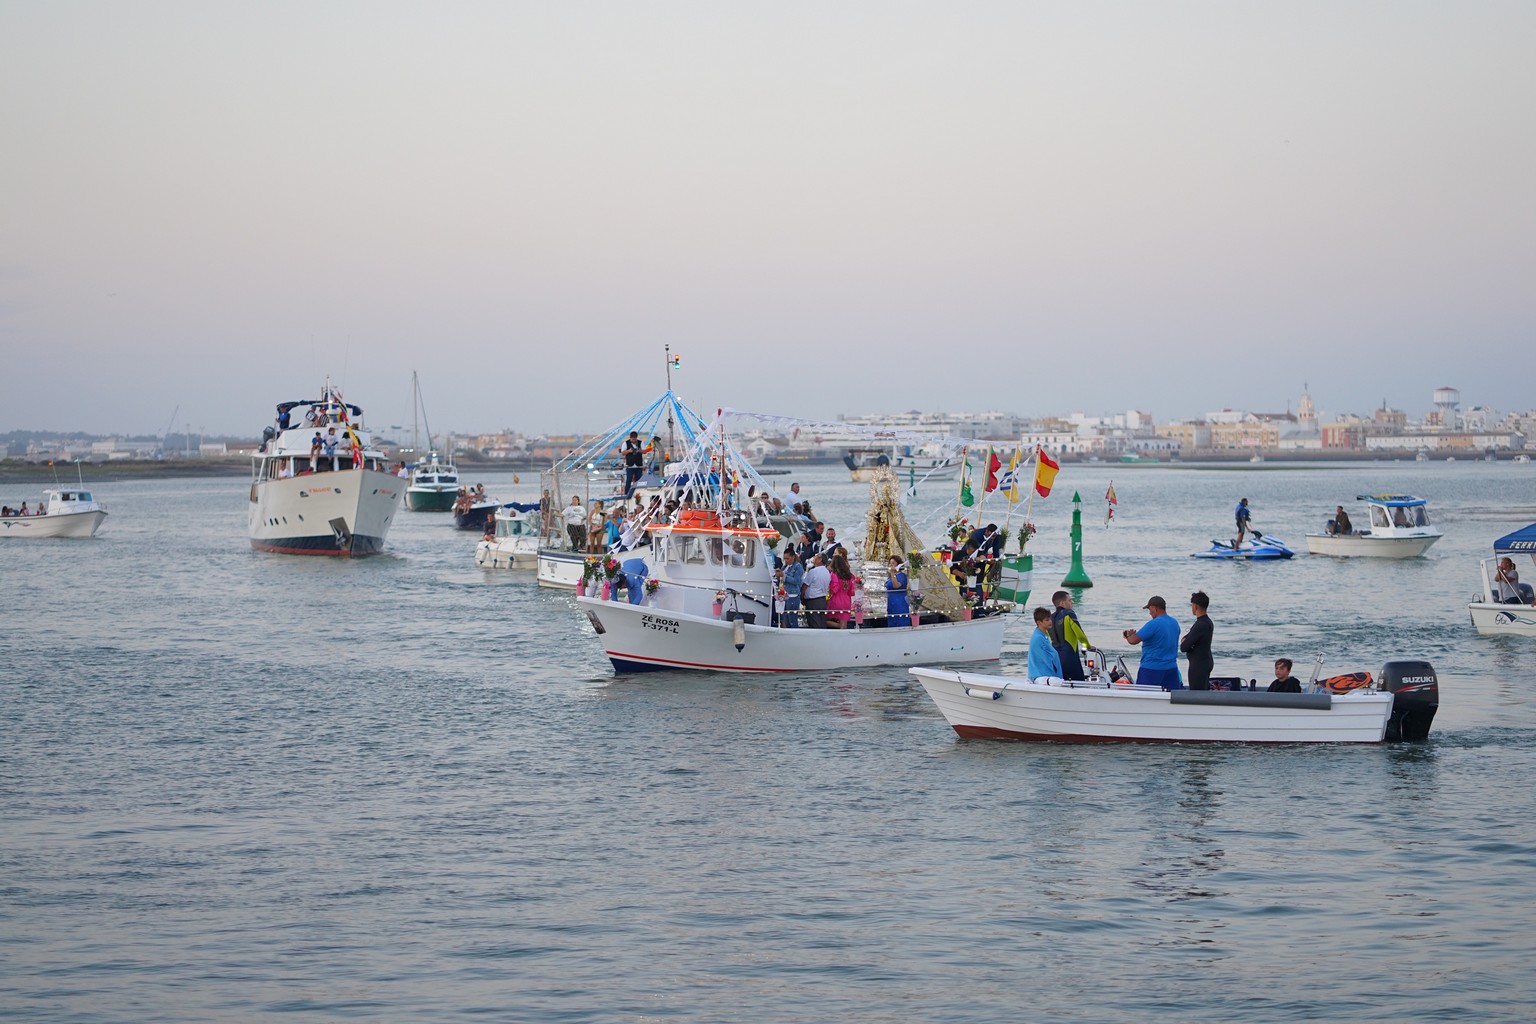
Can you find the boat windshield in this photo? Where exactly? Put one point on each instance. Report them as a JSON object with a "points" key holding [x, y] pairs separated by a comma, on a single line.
{"points": [[737, 551], [1379, 516], [1420, 516]]}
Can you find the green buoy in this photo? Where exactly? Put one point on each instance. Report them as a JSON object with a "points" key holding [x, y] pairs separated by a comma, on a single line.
{"points": [[1076, 575]]}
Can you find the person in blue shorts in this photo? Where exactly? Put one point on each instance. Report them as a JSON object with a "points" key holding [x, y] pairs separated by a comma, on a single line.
{"points": [[1159, 640]]}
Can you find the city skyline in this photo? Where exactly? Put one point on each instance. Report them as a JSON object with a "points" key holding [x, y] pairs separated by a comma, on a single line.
{"points": [[857, 207]]}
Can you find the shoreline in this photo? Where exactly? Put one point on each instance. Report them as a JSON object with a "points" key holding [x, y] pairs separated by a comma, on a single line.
{"points": [[20, 471]]}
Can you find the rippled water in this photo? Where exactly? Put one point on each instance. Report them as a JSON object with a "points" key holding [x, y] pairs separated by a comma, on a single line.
{"points": [[236, 785]]}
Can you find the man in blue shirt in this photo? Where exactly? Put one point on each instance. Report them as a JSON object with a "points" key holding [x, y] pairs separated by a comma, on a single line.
{"points": [[1159, 640], [1043, 659], [1243, 516], [794, 575]]}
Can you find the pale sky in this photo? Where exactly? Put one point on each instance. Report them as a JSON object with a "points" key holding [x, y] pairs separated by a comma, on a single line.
{"points": [[824, 207]]}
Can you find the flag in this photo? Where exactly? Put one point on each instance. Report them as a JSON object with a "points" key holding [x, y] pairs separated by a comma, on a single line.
{"points": [[1010, 481], [1045, 473], [966, 497], [993, 465], [1109, 496]]}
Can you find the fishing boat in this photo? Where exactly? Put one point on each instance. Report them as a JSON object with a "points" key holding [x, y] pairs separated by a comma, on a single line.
{"points": [[707, 596], [862, 462], [434, 480], [1399, 528], [1515, 614], [515, 542], [1256, 547], [339, 502], [60, 513], [1351, 708]]}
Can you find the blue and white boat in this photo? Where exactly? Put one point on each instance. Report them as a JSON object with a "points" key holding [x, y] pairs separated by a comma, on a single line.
{"points": [[1255, 547], [1507, 607], [1399, 528]]}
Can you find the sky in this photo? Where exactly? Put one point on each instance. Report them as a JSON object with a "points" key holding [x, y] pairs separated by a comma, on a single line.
{"points": [[824, 208]]}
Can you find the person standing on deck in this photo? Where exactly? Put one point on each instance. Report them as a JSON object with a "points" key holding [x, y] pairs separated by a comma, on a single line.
{"points": [[1196, 644], [1159, 640]]}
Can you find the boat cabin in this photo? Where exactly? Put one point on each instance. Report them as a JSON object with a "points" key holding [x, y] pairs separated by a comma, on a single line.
{"points": [[1396, 514], [1501, 588]]}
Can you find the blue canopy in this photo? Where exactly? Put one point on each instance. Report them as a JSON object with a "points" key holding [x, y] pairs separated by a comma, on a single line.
{"points": [[521, 506], [1523, 539], [1390, 500]]}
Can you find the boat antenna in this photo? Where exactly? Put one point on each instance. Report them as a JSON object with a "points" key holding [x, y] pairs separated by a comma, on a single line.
{"points": [[79, 473], [671, 402]]}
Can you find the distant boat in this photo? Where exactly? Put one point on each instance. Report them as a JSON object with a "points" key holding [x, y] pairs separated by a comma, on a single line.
{"points": [[59, 514], [434, 480]]}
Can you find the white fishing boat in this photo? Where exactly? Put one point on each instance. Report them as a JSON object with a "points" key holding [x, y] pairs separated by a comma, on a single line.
{"points": [[434, 482], [1399, 528], [339, 502], [716, 608], [1507, 607], [515, 544], [913, 463], [1347, 709], [717, 605], [60, 513]]}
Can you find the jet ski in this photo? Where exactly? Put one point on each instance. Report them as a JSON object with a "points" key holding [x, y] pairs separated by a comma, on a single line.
{"points": [[1254, 547]]}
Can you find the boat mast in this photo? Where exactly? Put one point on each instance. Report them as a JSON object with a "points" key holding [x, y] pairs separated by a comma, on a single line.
{"points": [[671, 401], [415, 404]]}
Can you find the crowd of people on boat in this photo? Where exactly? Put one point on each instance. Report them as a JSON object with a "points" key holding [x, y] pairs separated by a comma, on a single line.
{"points": [[9, 512]]}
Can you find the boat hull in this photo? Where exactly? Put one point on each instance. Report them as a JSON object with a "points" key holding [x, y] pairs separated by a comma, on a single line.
{"points": [[521, 553], [560, 569], [1003, 707], [421, 499], [346, 513], [1367, 546], [642, 638], [1491, 619], [62, 524]]}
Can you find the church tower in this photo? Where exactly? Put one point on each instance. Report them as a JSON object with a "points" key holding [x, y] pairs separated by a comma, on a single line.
{"points": [[1306, 414]]}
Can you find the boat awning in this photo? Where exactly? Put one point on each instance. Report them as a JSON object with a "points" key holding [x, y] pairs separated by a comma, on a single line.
{"points": [[1390, 500], [1522, 540]]}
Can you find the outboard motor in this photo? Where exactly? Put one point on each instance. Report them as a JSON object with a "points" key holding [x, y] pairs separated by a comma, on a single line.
{"points": [[1416, 698]]}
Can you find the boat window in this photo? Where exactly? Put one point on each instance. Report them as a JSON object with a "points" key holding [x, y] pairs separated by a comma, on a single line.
{"points": [[737, 552], [1399, 516], [690, 550], [1420, 516], [1378, 516], [83, 496]]}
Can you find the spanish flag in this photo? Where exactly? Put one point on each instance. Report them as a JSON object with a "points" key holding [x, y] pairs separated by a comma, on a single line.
{"points": [[1045, 473]]}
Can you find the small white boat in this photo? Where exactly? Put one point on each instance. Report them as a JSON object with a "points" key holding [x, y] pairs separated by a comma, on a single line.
{"points": [[60, 514], [338, 504], [1399, 528], [1522, 459], [1515, 614], [1350, 710], [516, 542]]}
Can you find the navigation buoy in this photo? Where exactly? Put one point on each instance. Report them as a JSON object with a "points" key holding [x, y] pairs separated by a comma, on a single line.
{"points": [[1076, 575]]}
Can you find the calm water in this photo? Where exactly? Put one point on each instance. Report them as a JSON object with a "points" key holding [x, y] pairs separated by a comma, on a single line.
{"points": [[237, 786]]}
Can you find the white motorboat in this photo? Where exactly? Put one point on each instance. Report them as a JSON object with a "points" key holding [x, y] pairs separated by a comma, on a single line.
{"points": [[516, 541], [61, 513], [331, 504], [1348, 709], [1399, 528], [1515, 614]]}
